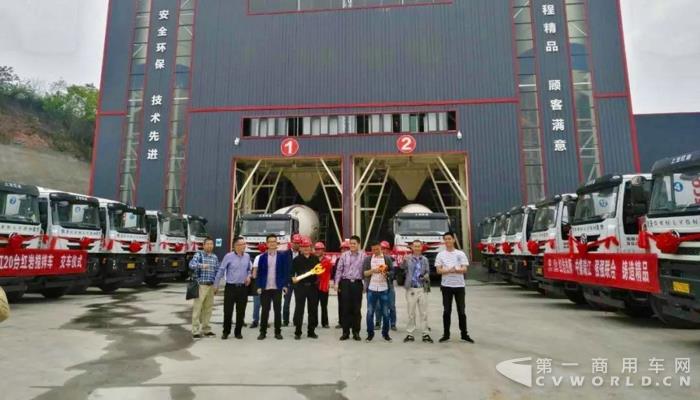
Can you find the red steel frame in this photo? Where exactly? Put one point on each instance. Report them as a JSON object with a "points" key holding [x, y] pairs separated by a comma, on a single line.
{"points": [[295, 107], [190, 109], [437, 3], [96, 133], [633, 123]]}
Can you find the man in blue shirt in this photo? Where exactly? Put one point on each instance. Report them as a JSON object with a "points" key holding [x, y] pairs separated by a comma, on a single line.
{"points": [[204, 266], [236, 269]]}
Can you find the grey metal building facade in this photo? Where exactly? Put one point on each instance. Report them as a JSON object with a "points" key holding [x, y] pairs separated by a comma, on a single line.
{"points": [[515, 99]]}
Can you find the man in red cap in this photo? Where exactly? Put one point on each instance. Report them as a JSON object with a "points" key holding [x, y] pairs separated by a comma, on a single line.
{"points": [[306, 290], [324, 282], [345, 246], [296, 242], [386, 249], [262, 247]]}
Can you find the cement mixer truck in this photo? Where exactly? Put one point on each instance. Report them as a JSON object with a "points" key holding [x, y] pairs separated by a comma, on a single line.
{"points": [[284, 223], [418, 222], [167, 235], [124, 247], [673, 233]]}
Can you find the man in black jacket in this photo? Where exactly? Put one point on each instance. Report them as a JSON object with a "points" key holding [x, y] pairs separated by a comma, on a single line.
{"points": [[305, 290]]}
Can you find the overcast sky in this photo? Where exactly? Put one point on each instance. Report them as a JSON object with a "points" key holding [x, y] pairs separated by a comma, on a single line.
{"points": [[47, 40]]}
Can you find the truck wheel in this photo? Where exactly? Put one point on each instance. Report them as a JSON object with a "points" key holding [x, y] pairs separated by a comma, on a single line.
{"points": [[110, 288], [576, 296], [14, 297], [152, 281], [541, 291], [53, 293], [670, 320]]}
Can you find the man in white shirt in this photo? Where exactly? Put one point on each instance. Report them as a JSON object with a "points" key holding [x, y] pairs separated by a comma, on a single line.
{"points": [[378, 273], [262, 248], [452, 264]]}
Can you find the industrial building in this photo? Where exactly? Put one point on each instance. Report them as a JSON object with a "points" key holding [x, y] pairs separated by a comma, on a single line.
{"points": [[358, 107]]}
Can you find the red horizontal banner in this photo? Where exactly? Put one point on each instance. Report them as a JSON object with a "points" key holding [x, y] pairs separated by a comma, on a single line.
{"points": [[42, 262], [634, 271]]}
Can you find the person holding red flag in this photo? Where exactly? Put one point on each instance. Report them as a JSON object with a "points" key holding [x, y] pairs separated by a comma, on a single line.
{"points": [[324, 281]]}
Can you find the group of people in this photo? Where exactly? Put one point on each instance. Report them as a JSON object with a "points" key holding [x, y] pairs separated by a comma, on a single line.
{"points": [[275, 275]]}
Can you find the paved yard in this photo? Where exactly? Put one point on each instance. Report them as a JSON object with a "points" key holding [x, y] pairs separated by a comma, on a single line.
{"points": [[136, 344]]}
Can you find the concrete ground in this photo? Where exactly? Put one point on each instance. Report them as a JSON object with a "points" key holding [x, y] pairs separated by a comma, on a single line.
{"points": [[136, 344]]}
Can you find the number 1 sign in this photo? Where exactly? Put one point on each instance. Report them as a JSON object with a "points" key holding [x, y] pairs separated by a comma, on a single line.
{"points": [[289, 147]]}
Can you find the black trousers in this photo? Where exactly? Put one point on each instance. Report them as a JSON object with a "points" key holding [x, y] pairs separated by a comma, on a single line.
{"points": [[303, 294], [351, 308], [323, 302], [287, 303], [448, 293], [238, 296], [340, 308], [274, 297]]}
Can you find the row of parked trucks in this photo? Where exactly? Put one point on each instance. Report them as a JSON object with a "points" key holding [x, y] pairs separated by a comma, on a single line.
{"points": [[411, 222], [54, 242], [629, 243]]}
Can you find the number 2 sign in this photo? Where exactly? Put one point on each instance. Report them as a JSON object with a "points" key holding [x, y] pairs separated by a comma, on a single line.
{"points": [[406, 144], [289, 147]]}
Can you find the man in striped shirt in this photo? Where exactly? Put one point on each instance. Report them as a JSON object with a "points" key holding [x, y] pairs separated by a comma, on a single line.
{"points": [[204, 266], [348, 280]]}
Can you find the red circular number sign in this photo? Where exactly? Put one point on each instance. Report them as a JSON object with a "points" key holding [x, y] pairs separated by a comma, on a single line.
{"points": [[406, 144], [289, 147]]}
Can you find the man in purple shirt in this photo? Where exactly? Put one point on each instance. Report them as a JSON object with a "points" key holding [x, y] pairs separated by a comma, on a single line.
{"points": [[236, 269], [348, 280]]}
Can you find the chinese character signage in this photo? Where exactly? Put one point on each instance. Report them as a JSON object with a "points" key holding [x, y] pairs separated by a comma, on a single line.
{"points": [[42, 262], [555, 102], [160, 50], [634, 271]]}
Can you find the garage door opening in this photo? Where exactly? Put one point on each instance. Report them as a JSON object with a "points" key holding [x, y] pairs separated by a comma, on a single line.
{"points": [[385, 185], [269, 192]]}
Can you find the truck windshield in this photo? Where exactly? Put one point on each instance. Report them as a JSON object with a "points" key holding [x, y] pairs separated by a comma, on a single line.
{"points": [[126, 220], [596, 206], [75, 214], [515, 224], [676, 193], [501, 225], [172, 226], [251, 227], [421, 226], [545, 218], [486, 229], [197, 228], [19, 208]]}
